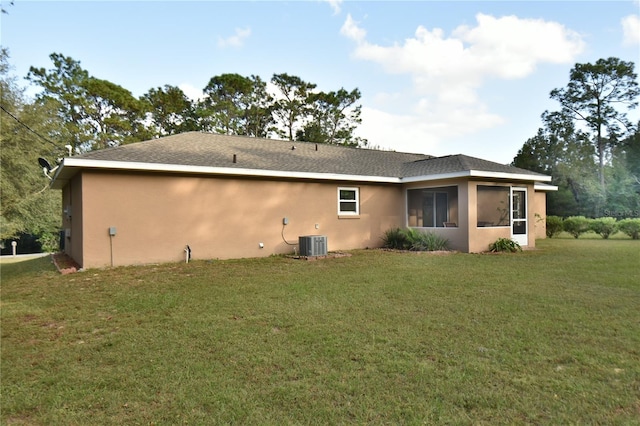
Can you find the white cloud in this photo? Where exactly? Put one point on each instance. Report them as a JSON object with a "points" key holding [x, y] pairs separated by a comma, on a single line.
{"points": [[236, 40], [351, 30], [425, 129], [191, 91], [335, 5], [631, 29], [448, 71], [511, 47]]}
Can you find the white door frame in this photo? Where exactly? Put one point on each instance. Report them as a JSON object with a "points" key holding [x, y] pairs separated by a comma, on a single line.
{"points": [[519, 219]]}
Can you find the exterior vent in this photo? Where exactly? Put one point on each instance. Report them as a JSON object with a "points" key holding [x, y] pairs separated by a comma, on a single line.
{"points": [[313, 245]]}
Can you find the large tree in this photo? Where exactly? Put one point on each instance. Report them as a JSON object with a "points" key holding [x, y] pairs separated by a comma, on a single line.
{"points": [[292, 105], [599, 95], [169, 111], [258, 116], [236, 105], [335, 115], [628, 153], [565, 153], [112, 113], [623, 188], [29, 131], [97, 113]]}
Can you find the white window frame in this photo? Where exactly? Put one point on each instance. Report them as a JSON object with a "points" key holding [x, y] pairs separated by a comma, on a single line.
{"points": [[356, 190]]}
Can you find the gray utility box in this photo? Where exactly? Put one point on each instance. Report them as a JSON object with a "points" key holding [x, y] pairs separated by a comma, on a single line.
{"points": [[313, 245]]}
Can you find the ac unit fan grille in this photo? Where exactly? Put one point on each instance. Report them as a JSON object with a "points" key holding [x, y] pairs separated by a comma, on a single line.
{"points": [[313, 245]]}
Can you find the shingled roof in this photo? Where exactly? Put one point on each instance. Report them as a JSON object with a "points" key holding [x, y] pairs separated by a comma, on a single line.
{"points": [[215, 153], [457, 163], [215, 150]]}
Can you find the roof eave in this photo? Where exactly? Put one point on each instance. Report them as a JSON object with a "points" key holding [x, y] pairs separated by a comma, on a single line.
{"points": [[70, 166], [479, 174], [544, 187]]}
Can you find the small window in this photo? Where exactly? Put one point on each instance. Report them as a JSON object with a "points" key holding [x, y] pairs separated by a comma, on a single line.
{"points": [[348, 201]]}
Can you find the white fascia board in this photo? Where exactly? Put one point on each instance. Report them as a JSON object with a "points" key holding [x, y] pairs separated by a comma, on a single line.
{"points": [[226, 171], [511, 176], [478, 173], [453, 175], [544, 187], [71, 163]]}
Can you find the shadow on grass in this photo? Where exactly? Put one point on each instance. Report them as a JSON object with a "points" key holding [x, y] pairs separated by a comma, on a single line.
{"points": [[36, 265]]}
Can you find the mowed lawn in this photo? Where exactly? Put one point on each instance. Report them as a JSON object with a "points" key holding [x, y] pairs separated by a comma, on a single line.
{"points": [[547, 336]]}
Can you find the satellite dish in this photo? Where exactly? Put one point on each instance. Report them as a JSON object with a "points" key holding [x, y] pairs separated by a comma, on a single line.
{"points": [[44, 164]]}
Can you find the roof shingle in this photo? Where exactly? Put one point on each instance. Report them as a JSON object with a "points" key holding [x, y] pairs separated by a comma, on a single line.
{"points": [[215, 150]]}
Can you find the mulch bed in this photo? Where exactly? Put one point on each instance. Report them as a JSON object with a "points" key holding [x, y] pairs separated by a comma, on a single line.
{"points": [[64, 263]]}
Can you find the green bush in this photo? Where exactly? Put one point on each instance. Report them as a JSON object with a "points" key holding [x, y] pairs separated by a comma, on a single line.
{"points": [[426, 241], [631, 227], [504, 245], [413, 239], [50, 242], [604, 226], [396, 239], [576, 225], [554, 226]]}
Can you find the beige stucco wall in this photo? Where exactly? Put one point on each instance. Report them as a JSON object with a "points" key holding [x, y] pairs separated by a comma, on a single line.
{"points": [[540, 214], [156, 216]]}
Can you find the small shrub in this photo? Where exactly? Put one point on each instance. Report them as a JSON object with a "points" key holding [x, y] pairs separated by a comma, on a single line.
{"points": [[631, 227], [413, 239], [395, 239], [554, 226], [412, 235], [426, 241], [504, 245], [604, 226], [576, 225]]}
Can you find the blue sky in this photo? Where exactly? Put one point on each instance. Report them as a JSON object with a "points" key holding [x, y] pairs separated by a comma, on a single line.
{"points": [[436, 77]]}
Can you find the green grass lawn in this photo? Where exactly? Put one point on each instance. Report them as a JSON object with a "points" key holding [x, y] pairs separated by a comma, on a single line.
{"points": [[546, 336]]}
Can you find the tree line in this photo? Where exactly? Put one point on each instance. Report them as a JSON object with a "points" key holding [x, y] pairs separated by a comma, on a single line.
{"points": [[589, 146], [74, 108], [98, 113]]}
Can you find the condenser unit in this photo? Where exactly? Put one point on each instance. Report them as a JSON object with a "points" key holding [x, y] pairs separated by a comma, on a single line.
{"points": [[313, 245]]}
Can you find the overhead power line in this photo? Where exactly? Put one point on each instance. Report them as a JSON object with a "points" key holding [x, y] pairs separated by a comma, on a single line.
{"points": [[27, 127]]}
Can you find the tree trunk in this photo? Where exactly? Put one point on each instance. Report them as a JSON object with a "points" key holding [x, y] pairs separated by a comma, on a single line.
{"points": [[601, 161]]}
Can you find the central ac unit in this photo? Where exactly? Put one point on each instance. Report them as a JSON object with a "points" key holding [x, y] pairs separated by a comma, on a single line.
{"points": [[313, 245]]}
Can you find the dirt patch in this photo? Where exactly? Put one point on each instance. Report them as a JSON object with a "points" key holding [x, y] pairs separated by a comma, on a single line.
{"points": [[64, 263]]}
